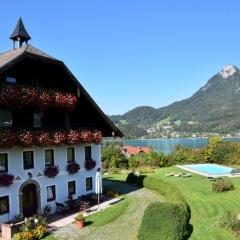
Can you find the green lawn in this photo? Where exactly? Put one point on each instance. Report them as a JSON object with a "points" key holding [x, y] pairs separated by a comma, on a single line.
{"points": [[206, 206], [104, 217], [120, 221]]}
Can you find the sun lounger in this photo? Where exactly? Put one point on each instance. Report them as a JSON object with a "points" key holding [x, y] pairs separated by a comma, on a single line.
{"points": [[169, 174], [211, 179], [177, 174], [186, 174], [235, 172]]}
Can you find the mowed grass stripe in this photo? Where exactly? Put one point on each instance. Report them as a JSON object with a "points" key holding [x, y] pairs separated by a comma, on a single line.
{"points": [[206, 206]]}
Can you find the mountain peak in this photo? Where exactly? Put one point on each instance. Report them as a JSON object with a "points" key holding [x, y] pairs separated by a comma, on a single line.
{"points": [[228, 70]]}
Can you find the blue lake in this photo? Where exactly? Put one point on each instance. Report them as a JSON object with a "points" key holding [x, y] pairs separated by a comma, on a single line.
{"points": [[168, 145]]}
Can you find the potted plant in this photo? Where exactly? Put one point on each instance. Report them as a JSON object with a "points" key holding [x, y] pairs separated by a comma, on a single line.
{"points": [[80, 220]]}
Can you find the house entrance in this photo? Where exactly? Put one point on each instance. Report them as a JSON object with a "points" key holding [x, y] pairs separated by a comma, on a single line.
{"points": [[29, 198]]}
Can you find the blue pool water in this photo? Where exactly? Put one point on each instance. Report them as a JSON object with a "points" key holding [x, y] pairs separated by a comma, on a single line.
{"points": [[211, 169]]}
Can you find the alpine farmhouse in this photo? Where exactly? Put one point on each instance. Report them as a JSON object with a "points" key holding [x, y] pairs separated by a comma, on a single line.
{"points": [[50, 131]]}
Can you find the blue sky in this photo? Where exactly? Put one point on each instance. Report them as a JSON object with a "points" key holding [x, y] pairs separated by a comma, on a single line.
{"points": [[129, 53]]}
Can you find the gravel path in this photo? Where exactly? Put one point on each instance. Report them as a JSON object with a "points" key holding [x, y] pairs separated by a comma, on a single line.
{"points": [[124, 227]]}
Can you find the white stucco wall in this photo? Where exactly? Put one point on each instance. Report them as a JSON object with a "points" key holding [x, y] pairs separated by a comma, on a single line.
{"points": [[15, 167]]}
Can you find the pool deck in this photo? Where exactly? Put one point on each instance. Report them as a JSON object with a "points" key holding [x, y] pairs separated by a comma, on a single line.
{"points": [[205, 174]]}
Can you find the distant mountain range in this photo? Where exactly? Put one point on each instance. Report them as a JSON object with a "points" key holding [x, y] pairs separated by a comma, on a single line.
{"points": [[215, 107]]}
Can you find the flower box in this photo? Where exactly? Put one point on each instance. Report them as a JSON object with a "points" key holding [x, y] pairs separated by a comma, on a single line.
{"points": [[21, 96], [9, 139], [90, 164], [6, 180], [42, 139], [51, 171], [73, 168], [24, 138]]}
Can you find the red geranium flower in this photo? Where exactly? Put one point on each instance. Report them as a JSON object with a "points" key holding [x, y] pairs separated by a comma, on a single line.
{"points": [[51, 171], [42, 139], [90, 164], [73, 167], [25, 138]]}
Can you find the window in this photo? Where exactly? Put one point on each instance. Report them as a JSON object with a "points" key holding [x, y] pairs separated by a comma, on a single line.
{"points": [[70, 155], [4, 205], [3, 162], [5, 118], [11, 79], [71, 188], [51, 193], [88, 183], [88, 152], [49, 157], [28, 161], [38, 119]]}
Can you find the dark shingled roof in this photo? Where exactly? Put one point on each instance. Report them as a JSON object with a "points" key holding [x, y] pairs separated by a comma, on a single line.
{"points": [[20, 31], [11, 57], [7, 57]]}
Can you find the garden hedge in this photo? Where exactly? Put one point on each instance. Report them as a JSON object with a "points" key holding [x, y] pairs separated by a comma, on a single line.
{"points": [[167, 220]]}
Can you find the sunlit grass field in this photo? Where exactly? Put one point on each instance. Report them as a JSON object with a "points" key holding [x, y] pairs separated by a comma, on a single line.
{"points": [[206, 205]]}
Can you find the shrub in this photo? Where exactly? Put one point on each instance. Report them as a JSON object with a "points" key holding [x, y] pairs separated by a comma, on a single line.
{"points": [[134, 161], [230, 221], [27, 235], [112, 156], [222, 185], [110, 192], [168, 220], [79, 217], [39, 231], [135, 179], [145, 169], [162, 221]]}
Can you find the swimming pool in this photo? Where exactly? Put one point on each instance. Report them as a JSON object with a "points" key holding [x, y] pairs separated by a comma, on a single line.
{"points": [[208, 169]]}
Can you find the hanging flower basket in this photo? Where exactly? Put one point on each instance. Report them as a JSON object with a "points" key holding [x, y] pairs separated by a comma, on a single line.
{"points": [[6, 180], [73, 168], [51, 171], [90, 164]]}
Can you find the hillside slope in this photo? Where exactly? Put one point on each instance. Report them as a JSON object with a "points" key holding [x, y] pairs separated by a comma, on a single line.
{"points": [[215, 107]]}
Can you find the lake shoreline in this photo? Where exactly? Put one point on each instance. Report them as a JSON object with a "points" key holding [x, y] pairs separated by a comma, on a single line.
{"points": [[167, 145]]}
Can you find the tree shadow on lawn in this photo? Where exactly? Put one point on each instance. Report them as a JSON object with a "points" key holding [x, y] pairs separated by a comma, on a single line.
{"points": [[119, 186]]}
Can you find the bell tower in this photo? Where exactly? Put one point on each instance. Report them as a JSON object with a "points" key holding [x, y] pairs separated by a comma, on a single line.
{"points": [[20, 34]]}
